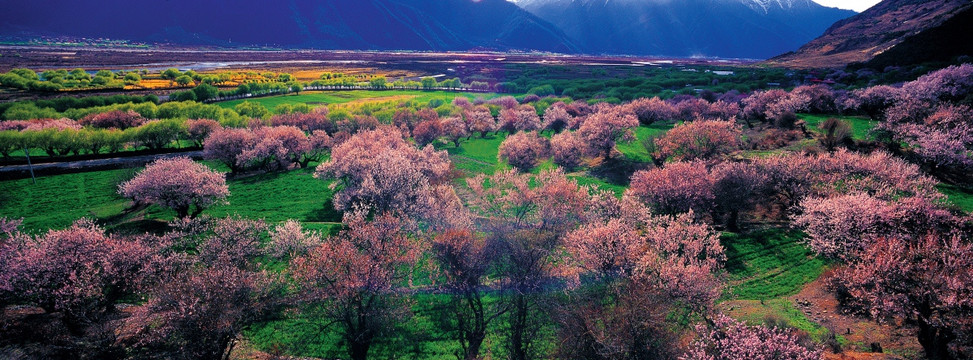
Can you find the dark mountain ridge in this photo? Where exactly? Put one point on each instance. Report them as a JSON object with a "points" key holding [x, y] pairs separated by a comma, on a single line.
{"points": [[313, 24]]}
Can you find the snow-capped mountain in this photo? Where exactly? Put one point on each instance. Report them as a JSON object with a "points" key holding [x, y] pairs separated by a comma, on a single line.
{"points": [[721, 28], [766, 6]]}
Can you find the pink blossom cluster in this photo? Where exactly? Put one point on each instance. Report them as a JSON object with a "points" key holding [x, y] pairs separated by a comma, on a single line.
{"points": [[427, 131], [200, 129], [556, 118], [522, 118], [523, 150], [729, 339], [268, 148], [179, 184], [454, 128], [606, 127], [926, 280], [843, 172], [79, 271], [567, 150], [479, 119], [379, 170], [699, 140], [40, 124], [506, 102], [116, 119], [316, 120], [652, 110], [367, 259], [290, 240], [677, 188]]}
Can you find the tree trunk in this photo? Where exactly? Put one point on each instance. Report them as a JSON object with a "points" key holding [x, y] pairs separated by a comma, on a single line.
{"points": [[518, 327], [733, 221], [359, 350], [935, 342], [182, 211], [475, 335]]}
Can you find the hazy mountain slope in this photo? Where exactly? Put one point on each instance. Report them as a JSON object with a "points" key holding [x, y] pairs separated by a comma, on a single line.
{"points": [[881, 29], [725, 28], [327, 24]]}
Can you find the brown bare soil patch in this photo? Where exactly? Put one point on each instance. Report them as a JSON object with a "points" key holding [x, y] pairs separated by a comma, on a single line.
{"points": [[820, 306]]}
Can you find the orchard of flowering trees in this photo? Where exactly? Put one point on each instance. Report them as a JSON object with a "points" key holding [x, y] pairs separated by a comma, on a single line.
{"points": [[583, 231]]}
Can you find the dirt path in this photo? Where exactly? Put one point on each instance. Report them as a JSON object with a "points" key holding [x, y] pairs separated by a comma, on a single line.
{"points": [[23, 171]]}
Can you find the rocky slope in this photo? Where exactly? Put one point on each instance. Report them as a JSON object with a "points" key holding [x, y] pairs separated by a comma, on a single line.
{"points": [[898, 32]]}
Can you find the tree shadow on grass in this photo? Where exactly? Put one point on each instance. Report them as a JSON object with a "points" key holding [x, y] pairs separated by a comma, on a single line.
{"points": [[617, 171], [325, 213], [256, 178], [142, 226], [772, 243]]}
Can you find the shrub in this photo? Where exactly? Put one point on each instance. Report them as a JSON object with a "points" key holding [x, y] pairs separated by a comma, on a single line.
{"points": [[226, 145], [602, 129], [158, 134], [454, 128], [523, 150], [699, 140], [116, 119], [652, 110], [556, 118], [567, 150], [200, 129], [677, 188], [836, 133]]}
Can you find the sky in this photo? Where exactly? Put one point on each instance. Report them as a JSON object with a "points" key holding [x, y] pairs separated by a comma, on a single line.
{"points": [[857, 5]]}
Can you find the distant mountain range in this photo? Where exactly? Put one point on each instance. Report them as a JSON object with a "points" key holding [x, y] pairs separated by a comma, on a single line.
{"points": [[894, 32], [722, 28], [315, 24], [715, 28]]}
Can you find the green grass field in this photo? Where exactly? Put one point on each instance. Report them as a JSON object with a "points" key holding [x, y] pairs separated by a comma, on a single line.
{"points": [[767, 264], [959, 196], [56, 201], [860, 126], [422, 336], [634, 150], [316, 98], [476, 155]]}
